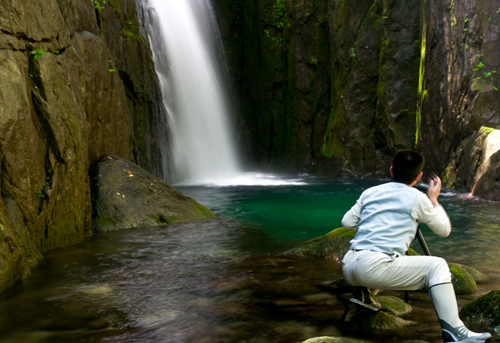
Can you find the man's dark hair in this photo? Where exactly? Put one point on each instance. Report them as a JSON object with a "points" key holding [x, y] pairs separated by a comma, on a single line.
{"points": [[406, 166]]}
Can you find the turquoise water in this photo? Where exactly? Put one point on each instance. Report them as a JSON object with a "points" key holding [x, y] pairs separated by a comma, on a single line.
{"points": [[292, 214], [222, 281]]}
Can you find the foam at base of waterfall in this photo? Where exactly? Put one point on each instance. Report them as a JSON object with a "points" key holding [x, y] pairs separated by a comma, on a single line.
{"points": [[245, 179]]}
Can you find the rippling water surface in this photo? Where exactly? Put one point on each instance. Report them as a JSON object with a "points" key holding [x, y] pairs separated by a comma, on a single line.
{"points": [[223, 281]]}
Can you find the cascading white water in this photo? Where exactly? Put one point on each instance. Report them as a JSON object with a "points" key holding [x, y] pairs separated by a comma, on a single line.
{"points": [[182, 34], [184, 38]]}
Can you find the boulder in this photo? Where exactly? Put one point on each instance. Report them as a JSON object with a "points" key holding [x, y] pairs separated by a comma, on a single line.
{"points": [[476, 274], [463, 282], [483, 314], [126, 196], [337, 286], [332, 246], [393, 305], [368, 322], [326, 339]]}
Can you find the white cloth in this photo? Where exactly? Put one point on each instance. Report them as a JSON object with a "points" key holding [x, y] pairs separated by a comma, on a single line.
{"points": [[392, 272], [387, 216]]}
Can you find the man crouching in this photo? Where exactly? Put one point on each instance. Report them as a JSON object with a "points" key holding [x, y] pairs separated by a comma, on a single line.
{"points": [[386, 218]]}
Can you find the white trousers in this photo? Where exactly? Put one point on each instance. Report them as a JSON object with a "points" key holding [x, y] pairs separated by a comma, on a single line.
{"points": [[389, 272]]}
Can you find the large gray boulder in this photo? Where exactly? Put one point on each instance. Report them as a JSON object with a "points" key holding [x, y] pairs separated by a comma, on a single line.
{"points": [[126, 196]]}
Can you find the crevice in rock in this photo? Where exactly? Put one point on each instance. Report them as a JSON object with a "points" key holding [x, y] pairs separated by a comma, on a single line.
{"points": [[41, 112], [22, 36], [129, 85]]}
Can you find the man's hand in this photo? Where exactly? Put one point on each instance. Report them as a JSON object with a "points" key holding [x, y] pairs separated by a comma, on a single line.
{"points": [[434, 189]]}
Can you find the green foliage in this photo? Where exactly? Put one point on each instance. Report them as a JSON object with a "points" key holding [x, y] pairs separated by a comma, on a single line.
{"points": [[276, 13], [99, 6], [42, 193], [353, 53], [466, 20], [479, 66], [37, 54], [479, 55], [465, 30], [111, 70]]}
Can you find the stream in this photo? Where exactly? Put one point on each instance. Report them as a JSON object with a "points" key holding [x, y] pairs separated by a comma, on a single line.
{"points": [[224, 280]]}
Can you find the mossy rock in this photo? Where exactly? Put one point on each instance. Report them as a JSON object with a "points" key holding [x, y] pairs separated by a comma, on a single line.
{"points": [[483, 314], [476, 274], [463, 282], [393, 305], [339, 285], [326, 339], [126, 196], [380, 321], [332, 246]]}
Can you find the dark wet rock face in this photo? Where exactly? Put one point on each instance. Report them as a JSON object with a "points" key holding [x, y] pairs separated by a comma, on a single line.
{"points": [[459, 76], [126, 196], [483, 314], [336, 87], [325, 86], [77, 83]]}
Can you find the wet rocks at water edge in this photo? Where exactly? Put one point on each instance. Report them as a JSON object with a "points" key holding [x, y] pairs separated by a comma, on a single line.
{"points": [[483, 314], [332, 246], [126, 196]]}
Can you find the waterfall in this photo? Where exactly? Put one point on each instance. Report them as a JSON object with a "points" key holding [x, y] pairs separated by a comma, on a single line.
{"points": [[184, 37]]}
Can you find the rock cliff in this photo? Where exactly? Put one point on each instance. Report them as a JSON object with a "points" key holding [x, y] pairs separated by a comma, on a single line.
{"points": [[77, 83], [336, 87]]}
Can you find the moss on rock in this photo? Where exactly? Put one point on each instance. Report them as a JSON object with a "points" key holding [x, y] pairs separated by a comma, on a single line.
{"points": [[332, 246], [463, 282], [483, 314], [393, 305], [337, 286], [126, 196], [368, 323], [476, 274]]}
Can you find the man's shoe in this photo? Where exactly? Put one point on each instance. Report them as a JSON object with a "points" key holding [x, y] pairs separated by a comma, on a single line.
{"points": [[362, 299], [462, 334]]}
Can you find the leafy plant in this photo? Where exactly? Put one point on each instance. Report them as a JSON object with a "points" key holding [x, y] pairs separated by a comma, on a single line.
{"points": [[353, 53], [41, 193], [98, 6], [466, 20], [465, 30], [111, 70], [37, 54]]}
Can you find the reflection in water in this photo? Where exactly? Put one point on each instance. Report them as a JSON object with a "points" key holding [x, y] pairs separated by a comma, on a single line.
{"points": [[216, 281]]}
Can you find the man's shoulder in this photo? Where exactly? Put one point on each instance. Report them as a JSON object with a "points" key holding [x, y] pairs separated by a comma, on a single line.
{"points": [[393, 187]]}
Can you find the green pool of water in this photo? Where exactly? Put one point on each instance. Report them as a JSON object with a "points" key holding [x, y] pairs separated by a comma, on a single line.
{"points": [[222, 281]]}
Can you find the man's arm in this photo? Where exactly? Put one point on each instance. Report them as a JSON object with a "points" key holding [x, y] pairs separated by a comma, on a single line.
{"points": [[351, 218], [427, 210]]}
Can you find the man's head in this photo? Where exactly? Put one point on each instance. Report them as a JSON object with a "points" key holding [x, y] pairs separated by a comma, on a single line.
{"points": [[407, 166]]}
